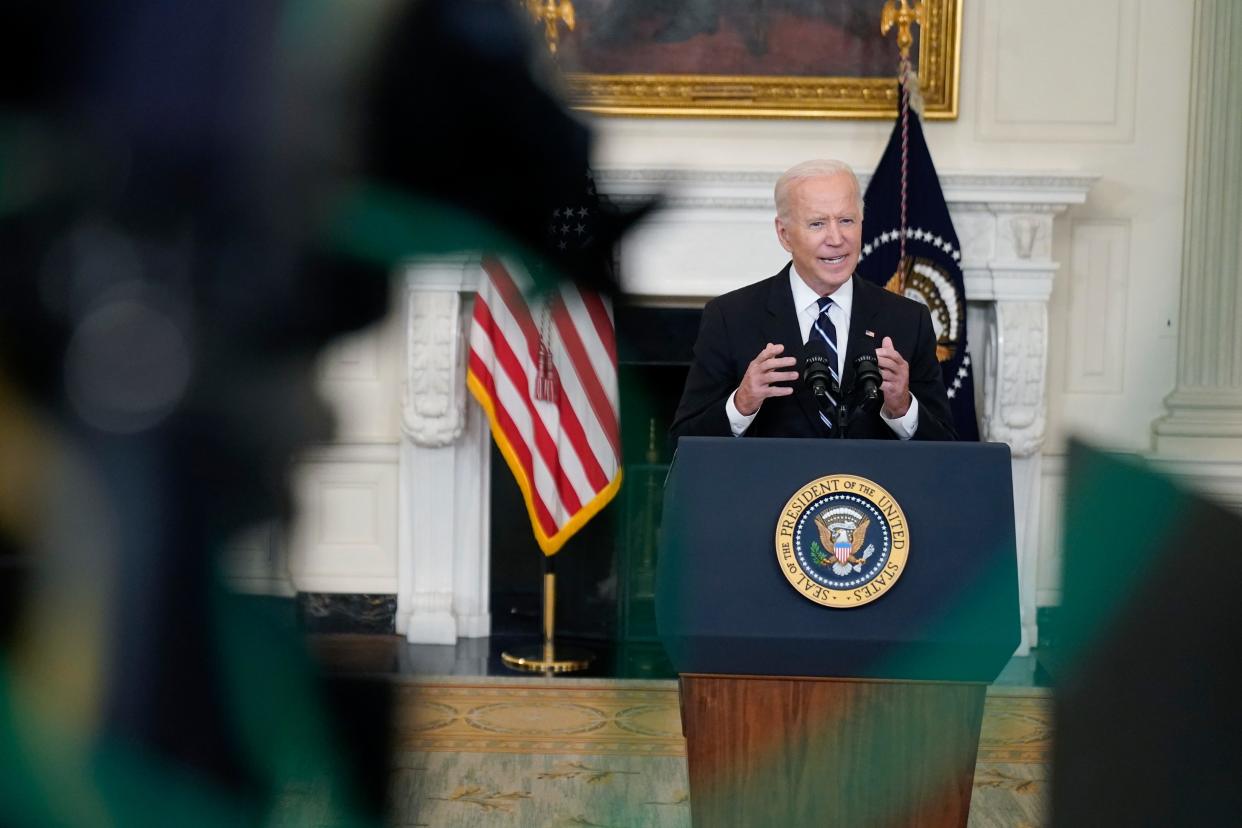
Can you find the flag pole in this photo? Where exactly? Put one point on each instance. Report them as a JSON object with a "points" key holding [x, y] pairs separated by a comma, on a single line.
{"points": [[904, 18], [545, 657]]}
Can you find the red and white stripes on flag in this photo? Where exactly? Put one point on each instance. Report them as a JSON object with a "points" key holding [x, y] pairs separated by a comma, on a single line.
{"points": [[566, 453]]}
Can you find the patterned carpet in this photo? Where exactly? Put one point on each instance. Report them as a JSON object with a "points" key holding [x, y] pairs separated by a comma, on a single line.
{"points": [[606, 753]]}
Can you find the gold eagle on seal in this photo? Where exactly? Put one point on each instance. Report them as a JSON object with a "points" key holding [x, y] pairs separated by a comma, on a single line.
{"points": [[836, 540]]}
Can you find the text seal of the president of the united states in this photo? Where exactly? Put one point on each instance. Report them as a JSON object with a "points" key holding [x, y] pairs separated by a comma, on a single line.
{"points": [[842, 541]]}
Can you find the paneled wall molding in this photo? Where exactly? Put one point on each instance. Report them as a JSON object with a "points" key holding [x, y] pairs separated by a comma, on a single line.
{"points": [[1098, 297], [345, 539], [1202, 429], [1021, 93]]}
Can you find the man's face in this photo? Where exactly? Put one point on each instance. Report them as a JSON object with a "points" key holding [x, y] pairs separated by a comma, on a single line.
{"points": [[823, 230]]}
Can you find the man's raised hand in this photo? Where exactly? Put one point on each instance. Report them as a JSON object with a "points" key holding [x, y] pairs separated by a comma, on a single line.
{"points": [[896, 374], [758, 383]]}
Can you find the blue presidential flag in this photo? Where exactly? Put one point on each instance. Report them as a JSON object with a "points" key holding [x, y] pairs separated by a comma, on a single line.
{"points": [[931, 271]]}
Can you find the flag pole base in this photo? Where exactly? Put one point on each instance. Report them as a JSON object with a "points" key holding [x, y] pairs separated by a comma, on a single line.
{"points": [[535, 659], [546, 657]]}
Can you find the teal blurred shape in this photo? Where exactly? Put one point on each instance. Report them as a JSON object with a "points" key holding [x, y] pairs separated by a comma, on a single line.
{"points": [[1148, 664]]}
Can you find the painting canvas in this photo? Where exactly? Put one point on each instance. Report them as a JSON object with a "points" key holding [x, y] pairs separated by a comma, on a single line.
{"points": [[792, 58]]}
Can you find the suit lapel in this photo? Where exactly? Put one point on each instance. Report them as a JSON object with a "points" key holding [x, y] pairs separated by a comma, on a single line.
{"points": [[862, 319], [781, 326]]}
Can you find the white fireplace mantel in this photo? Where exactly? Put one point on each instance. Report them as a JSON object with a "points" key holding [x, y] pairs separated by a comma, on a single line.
{"points": [[713, 234]]}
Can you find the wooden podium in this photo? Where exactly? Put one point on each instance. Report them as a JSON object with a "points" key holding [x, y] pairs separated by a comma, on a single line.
{"points": [[798, 714]]}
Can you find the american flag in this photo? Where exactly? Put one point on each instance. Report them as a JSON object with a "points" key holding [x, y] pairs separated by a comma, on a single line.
{"points": [[564, 448]]}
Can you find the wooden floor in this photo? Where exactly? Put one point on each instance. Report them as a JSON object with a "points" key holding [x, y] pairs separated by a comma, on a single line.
{"points": [[606, 752]]}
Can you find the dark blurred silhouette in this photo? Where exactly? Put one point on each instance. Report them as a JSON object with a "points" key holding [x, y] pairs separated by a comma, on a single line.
{"points": [[462, 112], [194, 199], [1146, 656]]}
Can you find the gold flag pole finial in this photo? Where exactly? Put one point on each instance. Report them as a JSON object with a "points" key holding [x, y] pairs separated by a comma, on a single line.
{"points": [[903, 17], [550, 13]]}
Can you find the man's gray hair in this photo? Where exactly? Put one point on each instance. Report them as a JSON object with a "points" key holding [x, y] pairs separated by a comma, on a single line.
{"points": [[813, 169]]}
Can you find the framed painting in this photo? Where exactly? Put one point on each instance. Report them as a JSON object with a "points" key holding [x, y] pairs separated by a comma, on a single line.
{"points": [[754, 58]]}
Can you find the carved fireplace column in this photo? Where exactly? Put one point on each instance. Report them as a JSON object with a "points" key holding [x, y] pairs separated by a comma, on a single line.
{"points": [[444, 488], [1200, 438], [1005, 227]]}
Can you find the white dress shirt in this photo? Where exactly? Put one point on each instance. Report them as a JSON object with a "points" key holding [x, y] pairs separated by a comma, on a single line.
{"points": [[806, 303]]}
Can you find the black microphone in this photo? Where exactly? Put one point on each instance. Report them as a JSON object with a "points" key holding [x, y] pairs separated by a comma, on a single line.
{"points": [[817, 371], [867, 381]]}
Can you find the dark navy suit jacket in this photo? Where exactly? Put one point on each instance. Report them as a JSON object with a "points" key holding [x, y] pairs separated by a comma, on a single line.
{"points": [[737, 326]]}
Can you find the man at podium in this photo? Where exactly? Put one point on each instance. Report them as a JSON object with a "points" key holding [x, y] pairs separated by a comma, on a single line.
{"points": [[815, 351]]}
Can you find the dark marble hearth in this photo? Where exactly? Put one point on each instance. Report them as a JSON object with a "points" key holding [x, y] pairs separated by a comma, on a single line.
{"points": [[325, 612], [392, 655]]}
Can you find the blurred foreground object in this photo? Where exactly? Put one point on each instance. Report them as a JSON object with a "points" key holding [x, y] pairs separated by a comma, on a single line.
{"points": [[1148, 643], [463, 112], [182, 231]]}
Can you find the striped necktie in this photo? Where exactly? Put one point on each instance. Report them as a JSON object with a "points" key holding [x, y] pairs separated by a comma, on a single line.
{"points": [[823, 328]]}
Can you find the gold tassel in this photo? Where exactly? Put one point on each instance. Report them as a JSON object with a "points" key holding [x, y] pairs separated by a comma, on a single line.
{"points": [[545, 372]]}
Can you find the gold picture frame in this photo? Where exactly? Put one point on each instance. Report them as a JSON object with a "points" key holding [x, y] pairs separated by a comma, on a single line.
{"points": [[938, 50]]}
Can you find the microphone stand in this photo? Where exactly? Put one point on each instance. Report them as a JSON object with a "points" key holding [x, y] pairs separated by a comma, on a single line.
{"points": [[846, 414], [843, 414], [840, 414]]}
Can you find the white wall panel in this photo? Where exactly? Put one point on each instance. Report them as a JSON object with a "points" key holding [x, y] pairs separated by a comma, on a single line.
{"points": [[1098, 276], [1058, 70], [345, 539], [348, 513]]}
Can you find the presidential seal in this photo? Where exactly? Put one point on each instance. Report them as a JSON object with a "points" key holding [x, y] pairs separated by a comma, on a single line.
{"points": [[842, 541]]}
